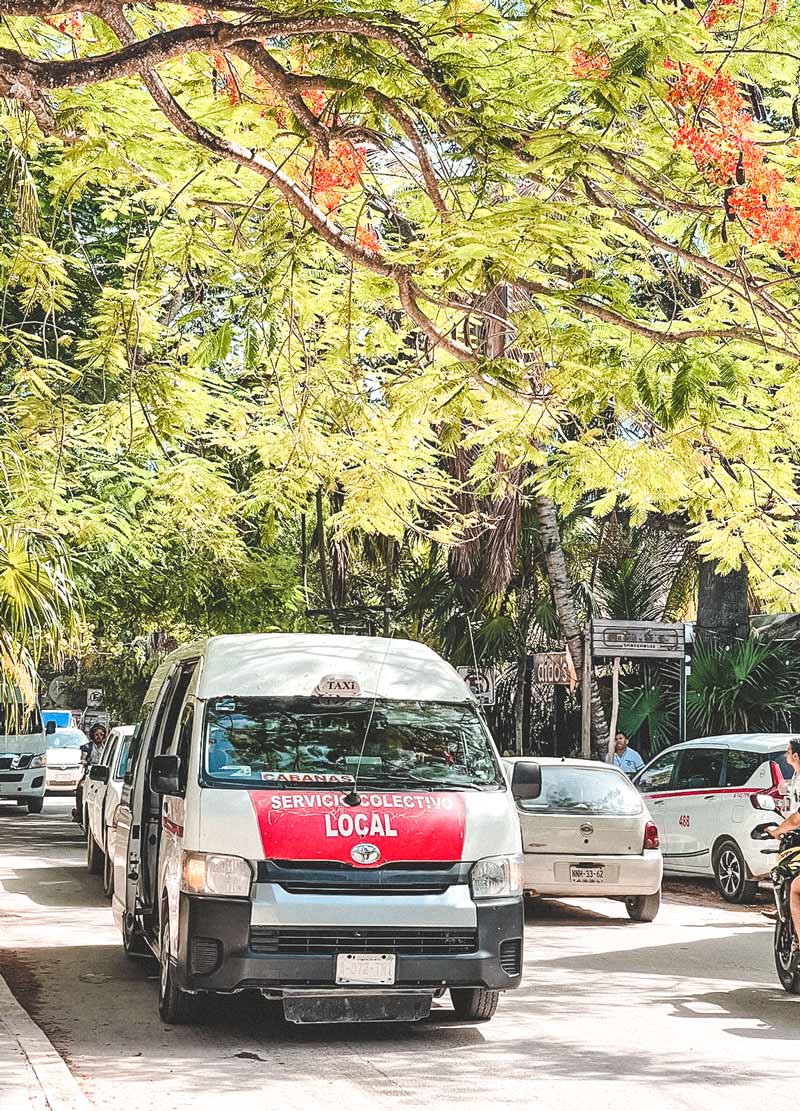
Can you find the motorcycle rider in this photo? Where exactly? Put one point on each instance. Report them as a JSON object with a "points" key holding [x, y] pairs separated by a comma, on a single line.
{"points": [[787, 825]]}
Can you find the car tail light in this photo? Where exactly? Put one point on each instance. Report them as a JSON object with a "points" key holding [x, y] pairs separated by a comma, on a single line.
{"points": [[777, 780], [651, 836]]}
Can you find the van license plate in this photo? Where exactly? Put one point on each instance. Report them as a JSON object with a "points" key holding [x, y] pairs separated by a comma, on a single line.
{"points": [[580, 874], [365, 968]]}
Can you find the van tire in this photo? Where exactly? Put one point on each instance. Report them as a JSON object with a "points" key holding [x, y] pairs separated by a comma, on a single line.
{"points": [[731, 875], [175, 1006], [35, 805], [94, 856], [474, 1004], [643, 908]]}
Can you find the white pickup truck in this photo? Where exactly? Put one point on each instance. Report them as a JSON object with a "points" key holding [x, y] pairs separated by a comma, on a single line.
{"points": [[101, 795]]}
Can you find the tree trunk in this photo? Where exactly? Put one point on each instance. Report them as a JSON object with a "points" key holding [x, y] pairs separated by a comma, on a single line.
{"points": [[565, 607], [722, 606]]}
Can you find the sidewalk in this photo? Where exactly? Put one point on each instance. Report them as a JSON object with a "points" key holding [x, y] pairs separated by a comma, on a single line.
{"points": [[32, 1075]]}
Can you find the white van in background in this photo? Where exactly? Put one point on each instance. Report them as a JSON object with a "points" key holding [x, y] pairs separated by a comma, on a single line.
{"points": [[324, 819], [23, 757]]}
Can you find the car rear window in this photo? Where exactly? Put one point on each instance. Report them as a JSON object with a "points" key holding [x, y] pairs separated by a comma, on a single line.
{"points": [[742, 767], [573, 790]]}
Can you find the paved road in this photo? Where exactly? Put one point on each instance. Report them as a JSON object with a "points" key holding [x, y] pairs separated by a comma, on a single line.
{"points": [[685, 1012]]}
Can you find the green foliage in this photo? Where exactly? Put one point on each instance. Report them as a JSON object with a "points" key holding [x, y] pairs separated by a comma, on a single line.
{"points": [[754, 686]]}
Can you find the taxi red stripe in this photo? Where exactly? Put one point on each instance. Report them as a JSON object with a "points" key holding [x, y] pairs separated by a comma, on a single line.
{"points": [[706, 791]]}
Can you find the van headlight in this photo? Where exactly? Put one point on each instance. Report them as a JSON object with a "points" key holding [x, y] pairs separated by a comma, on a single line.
{"points": [[496, 877], [38, 761], [214, 874]]}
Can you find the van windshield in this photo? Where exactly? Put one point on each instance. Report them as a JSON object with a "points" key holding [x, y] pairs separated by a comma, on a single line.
{"points": [[286, 741]]}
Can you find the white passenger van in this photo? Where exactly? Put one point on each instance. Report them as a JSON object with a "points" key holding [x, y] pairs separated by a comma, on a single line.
{"points": [[23, 756], [324, 819]]}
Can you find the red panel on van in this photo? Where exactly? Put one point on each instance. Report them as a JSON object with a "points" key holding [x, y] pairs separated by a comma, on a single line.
{"points": [[402, 826]]}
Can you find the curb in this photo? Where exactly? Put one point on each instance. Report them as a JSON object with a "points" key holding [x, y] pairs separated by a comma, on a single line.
{"points": [[59, 1086]]}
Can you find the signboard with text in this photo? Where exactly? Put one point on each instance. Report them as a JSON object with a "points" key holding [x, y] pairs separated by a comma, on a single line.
{"points": [[642, 639], [553, 669]]}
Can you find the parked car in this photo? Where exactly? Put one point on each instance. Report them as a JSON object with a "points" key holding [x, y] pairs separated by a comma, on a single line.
{"points": [[64, 759], [101, 796], [706, 796], [588, 833]]}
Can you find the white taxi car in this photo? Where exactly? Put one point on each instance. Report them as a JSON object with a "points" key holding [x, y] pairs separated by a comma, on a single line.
{"points": [[588, 833], [706, 796]]}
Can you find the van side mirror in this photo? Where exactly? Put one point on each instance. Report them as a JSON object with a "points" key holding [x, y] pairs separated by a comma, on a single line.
{"points": [[98, 773], [50, 728], [164, 774], [526, 781]]}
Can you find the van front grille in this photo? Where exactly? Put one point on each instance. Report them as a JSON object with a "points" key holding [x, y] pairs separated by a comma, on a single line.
{"points": [[10, 777], [9, 762], [330, 940], [311, 888]]}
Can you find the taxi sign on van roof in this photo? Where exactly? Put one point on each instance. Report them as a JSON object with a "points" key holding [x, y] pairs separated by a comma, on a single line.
{"points": [[338, 686]]}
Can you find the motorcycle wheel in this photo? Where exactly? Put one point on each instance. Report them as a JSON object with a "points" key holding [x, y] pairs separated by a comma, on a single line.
{"points": [[786, 963]]}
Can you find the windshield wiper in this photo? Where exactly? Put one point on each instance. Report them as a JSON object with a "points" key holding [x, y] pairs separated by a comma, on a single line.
{"points": [[429, 784]]}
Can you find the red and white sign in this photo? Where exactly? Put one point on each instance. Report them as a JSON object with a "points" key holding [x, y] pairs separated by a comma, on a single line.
{"points": [[403, 826]]}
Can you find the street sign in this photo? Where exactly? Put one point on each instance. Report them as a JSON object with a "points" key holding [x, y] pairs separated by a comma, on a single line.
{"points": [[481, 682], [94, 698], [553, 669], [642, 639]]}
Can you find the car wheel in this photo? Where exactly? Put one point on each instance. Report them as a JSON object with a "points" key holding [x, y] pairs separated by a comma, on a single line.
{"points": [[21, 802], [786, 962], [731, 876], [94, 856], [108, 874], [174, 1005], [643, 908], [474, 1004], [36, 805]]}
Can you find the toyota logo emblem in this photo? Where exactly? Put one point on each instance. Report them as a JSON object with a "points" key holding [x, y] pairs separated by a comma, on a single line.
{"points": [[587, 827], [365, 853]]}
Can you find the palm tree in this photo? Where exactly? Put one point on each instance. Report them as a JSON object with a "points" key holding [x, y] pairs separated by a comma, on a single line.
{"points": [[38, 606]]}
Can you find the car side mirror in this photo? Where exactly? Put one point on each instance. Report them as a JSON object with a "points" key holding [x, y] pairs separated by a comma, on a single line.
{"points": [[50, 728], [99, 773], [526, 781], [164, 775]]}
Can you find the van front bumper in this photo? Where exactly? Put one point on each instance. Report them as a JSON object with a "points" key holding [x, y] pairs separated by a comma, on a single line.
{"points": [[22, 784], [218, 951]]}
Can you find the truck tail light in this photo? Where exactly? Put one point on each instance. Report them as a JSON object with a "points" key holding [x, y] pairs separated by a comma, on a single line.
{"points": [[651, 836]]}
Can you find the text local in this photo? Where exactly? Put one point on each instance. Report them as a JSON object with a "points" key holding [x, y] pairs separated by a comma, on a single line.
{"points": [[362, 825]]}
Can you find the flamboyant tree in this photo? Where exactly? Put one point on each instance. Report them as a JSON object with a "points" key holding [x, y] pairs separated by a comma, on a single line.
{"points": [[558, 238]]}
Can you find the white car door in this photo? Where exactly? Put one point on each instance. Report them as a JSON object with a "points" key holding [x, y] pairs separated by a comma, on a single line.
{"points": [[655, 784], [699, 800]]}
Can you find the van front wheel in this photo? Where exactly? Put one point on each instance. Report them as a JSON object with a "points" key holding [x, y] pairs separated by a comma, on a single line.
{"points": [[174, 1005], [35, 805], [474, 1004]]}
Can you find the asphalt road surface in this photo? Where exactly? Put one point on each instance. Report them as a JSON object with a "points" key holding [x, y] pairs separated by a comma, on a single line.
{"points": [[685, 1012]]}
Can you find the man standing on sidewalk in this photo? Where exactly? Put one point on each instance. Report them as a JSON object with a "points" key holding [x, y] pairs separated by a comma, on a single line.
{"points": [[625, 758]]}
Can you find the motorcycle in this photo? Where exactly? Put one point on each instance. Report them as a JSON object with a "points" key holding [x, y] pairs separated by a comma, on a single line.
{"points": [[787, 960]]}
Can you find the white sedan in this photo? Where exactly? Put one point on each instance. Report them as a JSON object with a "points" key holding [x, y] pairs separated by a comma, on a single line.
{"points": [[586, 832], [64, 767]]}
